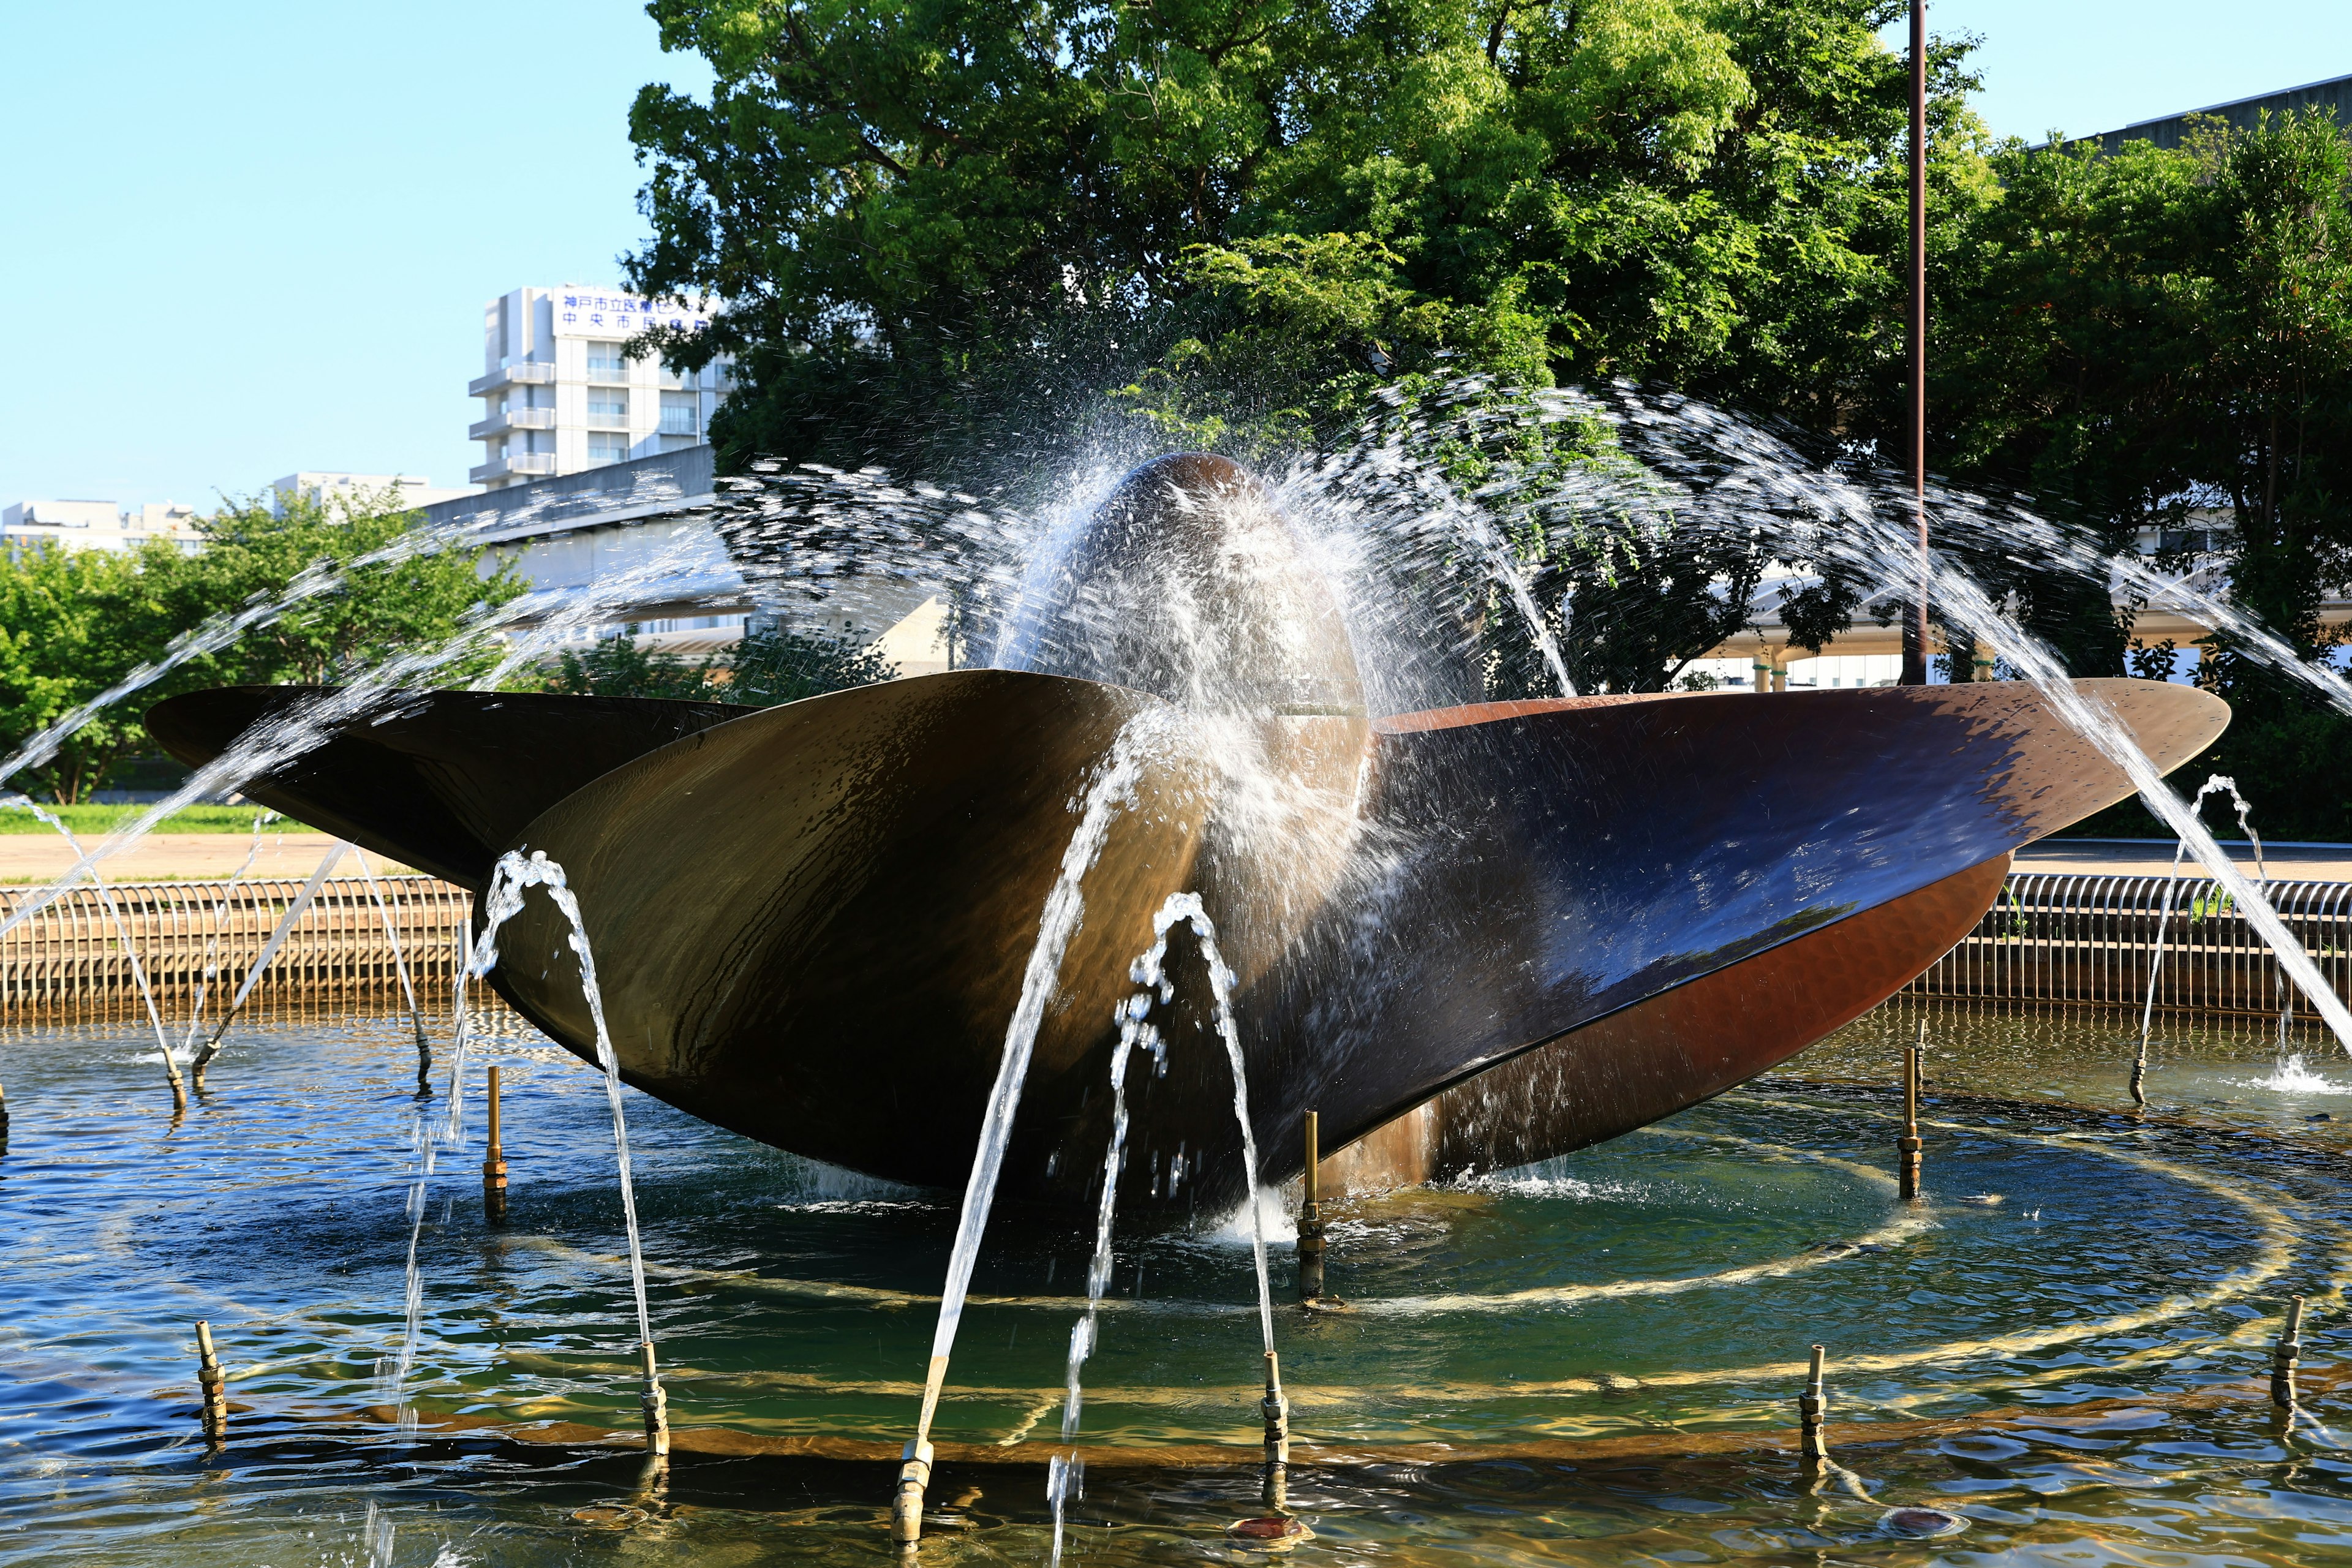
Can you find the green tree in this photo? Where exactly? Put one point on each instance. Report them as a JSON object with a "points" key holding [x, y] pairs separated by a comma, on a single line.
{"points": [[2145, 339], [946, 231], [73, 622], [770, 666], [411, 601]]}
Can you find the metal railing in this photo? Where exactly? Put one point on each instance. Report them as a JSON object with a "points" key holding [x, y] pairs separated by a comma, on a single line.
{"points": [[528, 373], [2064, 937], [70, 955], [513, 463]]}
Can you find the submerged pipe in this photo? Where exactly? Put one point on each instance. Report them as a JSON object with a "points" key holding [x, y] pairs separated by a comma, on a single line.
{"points": [[2283, 1356], [494, 1164], [1812, 1418], [1909, 1146], [209, 1379], [1311, 1222]]}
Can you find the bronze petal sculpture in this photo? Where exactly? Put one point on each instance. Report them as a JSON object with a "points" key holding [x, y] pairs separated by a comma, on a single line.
{"points": [[1468, 938]]}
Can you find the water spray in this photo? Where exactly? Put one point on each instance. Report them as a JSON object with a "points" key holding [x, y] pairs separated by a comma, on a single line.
{"points": [[129, 954], [286, 923], [1113, 790], [400, 968]]}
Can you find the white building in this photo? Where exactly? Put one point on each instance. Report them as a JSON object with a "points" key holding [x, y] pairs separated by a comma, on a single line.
{"points": [[415, 489], [559, 396], [97, 524]]}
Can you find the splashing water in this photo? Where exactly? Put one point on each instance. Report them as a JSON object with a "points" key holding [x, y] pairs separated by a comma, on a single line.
{"points": [[514, 876], [2212, 783], [1065, 1473], [122, 935], [286, 923], [1149, 970], [377, 692], [212, 941], [1722, 465], [2290, 1075], [399, 965], [1113, 790]]}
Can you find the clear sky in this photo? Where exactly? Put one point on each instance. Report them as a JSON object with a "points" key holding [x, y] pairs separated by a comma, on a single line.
{"points": [[243, 239]]}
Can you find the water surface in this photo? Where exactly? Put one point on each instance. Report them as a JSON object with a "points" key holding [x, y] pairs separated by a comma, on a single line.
{"points": [[1593, 1360]]}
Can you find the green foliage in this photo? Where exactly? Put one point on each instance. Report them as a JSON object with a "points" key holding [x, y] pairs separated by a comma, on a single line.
{"points": [[1292, 336], [72, 622], [2136, 335], [768, 668], [947, 231], [618, 667], [254, 548], [777, 665]]}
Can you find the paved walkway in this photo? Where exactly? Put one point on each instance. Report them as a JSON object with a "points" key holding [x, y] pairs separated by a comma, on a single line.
{"points": [[36, 859], [2153, 858]]}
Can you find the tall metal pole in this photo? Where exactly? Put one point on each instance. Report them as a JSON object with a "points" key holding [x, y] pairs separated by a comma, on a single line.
{"points": [[1915, 657]]}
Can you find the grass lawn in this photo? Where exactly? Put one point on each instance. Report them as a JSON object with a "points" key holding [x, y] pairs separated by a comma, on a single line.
{"points": [[86, 820]]}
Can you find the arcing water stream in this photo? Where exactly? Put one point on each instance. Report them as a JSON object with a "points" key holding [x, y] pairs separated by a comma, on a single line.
{"points": [[1066, 1478], [514, 875], [1110, 793], [2164, 918]]}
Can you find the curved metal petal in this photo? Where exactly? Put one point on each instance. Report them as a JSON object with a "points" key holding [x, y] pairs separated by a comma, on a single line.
{"points": [[446, 780], [1571, 858], [811, 925]]}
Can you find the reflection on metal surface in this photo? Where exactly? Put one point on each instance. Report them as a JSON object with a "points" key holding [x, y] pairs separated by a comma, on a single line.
{"points": [[1467, 938]]}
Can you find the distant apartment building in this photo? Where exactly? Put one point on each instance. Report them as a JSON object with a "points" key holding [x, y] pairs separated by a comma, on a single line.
{"points": [[97, 524], [326, 489], [559, 396]]}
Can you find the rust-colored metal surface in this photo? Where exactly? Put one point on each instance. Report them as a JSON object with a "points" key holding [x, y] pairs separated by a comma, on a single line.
{"points": [[1470, 936], [449, 777], [1656, 1057]]}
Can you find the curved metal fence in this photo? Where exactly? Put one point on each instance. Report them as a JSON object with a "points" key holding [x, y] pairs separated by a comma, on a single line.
{"points": [[68, 959], [2063, 936], [2052, 937]]}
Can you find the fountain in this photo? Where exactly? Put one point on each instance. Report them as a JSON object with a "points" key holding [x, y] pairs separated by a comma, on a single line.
{"points": [[1468, 937], [892, 928]]}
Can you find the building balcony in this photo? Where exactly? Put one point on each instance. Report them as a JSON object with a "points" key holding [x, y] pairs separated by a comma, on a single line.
{"points": [[680, 422], [515, 465], [529, 374], [511, 419]]}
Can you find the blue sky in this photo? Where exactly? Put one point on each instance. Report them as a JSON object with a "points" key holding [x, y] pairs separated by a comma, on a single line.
{"points": [[244, 240]]}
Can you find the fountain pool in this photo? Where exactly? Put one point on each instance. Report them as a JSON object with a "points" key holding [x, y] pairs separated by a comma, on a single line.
{"points": [[1591, 1359]]}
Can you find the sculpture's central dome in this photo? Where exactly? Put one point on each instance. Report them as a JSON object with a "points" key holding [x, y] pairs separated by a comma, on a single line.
{"points": [[1187, 584]]}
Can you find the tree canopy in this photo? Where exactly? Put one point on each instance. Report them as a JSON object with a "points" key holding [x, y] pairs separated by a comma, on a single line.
{"points": [[944, 232], [74, 622]]}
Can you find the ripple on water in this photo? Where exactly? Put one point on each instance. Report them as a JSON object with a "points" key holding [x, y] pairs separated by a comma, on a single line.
{"points": [[2073, 1376]]}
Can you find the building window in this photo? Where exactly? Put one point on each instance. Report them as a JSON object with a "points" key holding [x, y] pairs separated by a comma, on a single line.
{"points": [[605, 362], [608, 407], [608, 449], [680, 414]]}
